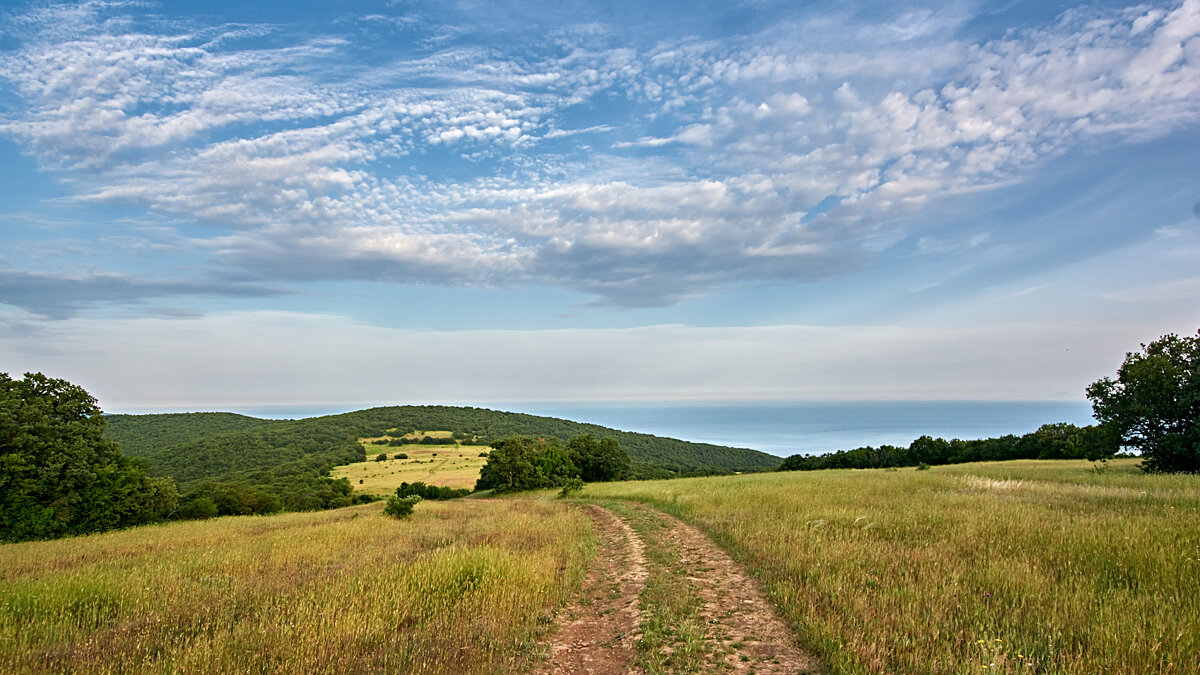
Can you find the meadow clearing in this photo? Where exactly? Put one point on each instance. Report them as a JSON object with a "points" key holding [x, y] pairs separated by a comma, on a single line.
{"points": [[461, 586], [1024, 566], [455, 466]]}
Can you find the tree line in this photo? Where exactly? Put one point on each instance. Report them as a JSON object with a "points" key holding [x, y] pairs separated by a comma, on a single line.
{"points": [[1050, 441]]}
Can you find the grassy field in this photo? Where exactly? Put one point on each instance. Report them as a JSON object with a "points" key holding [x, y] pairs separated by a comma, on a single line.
{"points": [[455, 466], [1021, 567], [463, 586]]}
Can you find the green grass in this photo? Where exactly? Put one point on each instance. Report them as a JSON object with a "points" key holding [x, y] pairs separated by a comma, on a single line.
{"points": [[458, 587], [1038, 567], [455, 466]]}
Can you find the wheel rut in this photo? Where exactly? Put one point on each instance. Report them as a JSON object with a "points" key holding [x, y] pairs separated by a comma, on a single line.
{"points": [[598, 630]]}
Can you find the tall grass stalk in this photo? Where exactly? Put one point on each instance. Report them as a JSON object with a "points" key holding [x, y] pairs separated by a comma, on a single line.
{"points": [[458, 587]]}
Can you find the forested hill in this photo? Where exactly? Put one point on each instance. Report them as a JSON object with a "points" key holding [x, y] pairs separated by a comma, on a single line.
{"points": [[142, 434], [194, 447]]}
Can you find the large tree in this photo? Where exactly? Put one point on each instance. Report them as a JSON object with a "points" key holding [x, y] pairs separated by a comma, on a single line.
{"points": [[599, 460], [58, 476], [1154, 404]]}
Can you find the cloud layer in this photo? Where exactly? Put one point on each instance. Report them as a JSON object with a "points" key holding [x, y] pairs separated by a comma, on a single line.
{"points": [[642, 176], [298, 359]]}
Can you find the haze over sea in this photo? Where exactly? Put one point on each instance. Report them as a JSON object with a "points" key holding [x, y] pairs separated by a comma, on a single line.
{"points": [[787, 428]]}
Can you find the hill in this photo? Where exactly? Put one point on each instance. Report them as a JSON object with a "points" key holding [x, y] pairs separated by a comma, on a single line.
{"points": [[141, 434], [290, 459]]}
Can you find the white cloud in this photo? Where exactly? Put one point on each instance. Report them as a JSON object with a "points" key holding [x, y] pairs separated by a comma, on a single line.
{"points": [[759, 149]]}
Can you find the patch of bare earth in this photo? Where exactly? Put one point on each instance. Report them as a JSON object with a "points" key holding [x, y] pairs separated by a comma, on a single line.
{"points": [[742, 622], [597, 631]]}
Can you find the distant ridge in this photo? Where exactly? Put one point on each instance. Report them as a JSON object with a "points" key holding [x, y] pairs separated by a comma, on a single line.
{"points": [[226, 447]]}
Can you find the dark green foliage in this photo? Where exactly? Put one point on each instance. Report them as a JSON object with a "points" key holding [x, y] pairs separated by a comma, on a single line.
{"points": [[381, 457], [400, 507], [58, 475], [139, 434], [430, 440], [199, 508], [431, 492], [599, 460], [523, 463], [400, 455], [1154, 404], [1050, 441]]}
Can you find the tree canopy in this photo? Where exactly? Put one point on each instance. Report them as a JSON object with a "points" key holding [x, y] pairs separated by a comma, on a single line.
{"points": [[1154, 403], [58, 476], [524, 463]]}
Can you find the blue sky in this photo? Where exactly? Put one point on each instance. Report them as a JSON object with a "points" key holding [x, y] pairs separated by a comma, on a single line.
{"points": [[353, 203]]}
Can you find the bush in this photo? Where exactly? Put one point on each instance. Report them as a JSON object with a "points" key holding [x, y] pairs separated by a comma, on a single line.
{"points": [[433, 492], [570, 487], [400, 455], [381, 457], [922, 467], [400, 507]]}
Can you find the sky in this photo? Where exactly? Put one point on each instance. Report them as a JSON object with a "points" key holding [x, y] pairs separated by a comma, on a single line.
{"points": [[230, 204]]}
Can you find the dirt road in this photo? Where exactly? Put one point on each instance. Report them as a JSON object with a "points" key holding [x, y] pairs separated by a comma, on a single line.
{"points": [[662, 598]]}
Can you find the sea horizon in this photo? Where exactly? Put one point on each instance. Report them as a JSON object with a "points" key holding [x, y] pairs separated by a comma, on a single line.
{"points": [[780, 428]]}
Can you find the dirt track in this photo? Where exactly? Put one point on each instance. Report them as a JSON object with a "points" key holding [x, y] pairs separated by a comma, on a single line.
{"points": [[599, 632]]}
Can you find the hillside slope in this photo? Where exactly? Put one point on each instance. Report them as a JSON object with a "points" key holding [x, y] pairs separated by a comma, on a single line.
{"points": [[193, 447], [140, 434]]}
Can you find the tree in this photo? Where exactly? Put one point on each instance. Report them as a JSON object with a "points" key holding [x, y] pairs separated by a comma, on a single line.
{"points": [[599, 460], [1154, 404], [510, 466], [58, 476], [401, 507]]}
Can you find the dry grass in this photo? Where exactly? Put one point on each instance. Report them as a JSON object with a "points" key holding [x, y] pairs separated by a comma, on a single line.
{"points": [[464, 586], [1039, 567], [455, 466]]}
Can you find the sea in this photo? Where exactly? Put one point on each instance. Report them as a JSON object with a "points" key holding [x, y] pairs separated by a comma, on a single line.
{"points": [[788, 428]]}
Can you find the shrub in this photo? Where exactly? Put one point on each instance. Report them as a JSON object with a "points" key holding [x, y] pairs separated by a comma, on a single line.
{"points": [[922, 467], [400, 455], [570, 487], [400, 507], [381, 457]]}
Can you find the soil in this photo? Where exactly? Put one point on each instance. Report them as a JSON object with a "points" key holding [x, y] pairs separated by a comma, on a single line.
{"points": [[598, 632]]}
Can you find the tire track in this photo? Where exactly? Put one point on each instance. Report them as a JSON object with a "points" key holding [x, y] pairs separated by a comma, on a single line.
{"points": [[598, 630]]}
